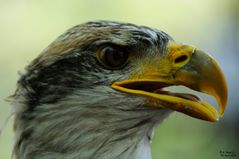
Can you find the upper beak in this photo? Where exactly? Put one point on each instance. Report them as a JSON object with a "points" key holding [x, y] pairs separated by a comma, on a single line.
{"points": [[186, 66]]}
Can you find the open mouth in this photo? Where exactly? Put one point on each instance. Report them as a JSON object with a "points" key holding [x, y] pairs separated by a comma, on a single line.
{"points": [[158, 96], [159, 88], [197, 71]]}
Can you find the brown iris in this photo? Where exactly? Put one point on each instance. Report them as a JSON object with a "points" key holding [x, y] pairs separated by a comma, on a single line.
{"points": [[112, 57]]}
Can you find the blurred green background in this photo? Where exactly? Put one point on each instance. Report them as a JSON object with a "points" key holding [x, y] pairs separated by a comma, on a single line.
{"points": [[27, 27]]}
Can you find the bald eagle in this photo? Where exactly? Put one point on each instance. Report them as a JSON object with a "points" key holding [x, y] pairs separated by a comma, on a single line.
{"points": [[99, 89]]}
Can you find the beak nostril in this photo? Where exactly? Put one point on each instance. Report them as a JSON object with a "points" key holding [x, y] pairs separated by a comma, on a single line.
{"points": [[181, 59]]}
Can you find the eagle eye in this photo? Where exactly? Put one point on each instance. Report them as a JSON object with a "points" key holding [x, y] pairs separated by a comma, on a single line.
{"points": [[112, 57]]}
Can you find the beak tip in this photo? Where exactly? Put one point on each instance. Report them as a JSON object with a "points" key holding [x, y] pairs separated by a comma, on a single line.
{"points": [[222, 105], [221, 112]]}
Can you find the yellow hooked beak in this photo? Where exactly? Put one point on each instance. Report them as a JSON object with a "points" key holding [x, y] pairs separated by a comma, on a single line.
{"points": [[182, 65]]}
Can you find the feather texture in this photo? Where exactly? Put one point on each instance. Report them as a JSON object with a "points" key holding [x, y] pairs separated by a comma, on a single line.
{"points": [[65, 107]]}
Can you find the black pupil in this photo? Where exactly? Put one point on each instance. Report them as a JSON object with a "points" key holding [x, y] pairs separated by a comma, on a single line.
{"points": [[114, 57]]}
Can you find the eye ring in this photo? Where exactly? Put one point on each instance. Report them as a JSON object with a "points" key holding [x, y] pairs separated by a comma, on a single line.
{"points": [[112, 57]]}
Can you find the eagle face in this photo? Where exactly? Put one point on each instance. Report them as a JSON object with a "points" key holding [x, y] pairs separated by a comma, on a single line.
{"points": [[98, 91]]}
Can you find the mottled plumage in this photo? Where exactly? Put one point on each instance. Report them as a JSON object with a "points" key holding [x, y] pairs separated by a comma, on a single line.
{"points": [[66, 108]]}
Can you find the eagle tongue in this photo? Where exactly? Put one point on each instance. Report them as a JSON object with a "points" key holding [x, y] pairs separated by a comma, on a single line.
{"points": [[181, 95], [188, 96]]}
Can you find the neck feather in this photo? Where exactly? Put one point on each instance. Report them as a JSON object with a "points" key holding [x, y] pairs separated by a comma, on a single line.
{"points": [[86, 125]]}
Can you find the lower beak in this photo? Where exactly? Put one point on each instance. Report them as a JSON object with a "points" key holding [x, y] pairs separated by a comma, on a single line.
{"points": [[189, 67]]}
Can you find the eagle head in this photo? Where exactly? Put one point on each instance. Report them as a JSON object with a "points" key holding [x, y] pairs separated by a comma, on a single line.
{"points": [[100, 88]]}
